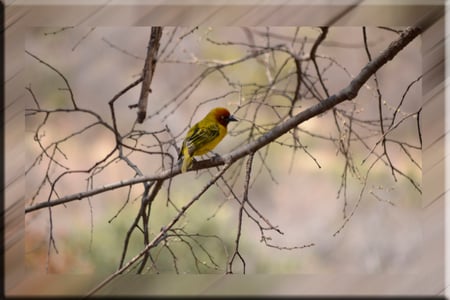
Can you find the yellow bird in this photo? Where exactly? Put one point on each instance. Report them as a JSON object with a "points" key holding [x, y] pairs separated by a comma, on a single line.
{"points": [[205, 135]]}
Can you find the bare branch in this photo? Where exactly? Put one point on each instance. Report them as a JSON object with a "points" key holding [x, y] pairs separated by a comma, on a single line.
{"points": [[148, 72], [236, 252], [59, 73]]}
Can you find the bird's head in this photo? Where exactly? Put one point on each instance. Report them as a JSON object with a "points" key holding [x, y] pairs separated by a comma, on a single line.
{"points": [[222, 115]]}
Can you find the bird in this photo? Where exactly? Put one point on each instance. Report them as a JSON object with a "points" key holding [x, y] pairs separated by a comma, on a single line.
{"points": [[204, 135]]}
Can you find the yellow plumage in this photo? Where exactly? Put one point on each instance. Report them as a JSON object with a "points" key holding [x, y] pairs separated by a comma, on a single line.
{"points": [[205, 135]]}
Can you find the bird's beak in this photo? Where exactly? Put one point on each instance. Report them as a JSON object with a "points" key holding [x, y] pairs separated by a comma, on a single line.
{"points": [[231, 118]]}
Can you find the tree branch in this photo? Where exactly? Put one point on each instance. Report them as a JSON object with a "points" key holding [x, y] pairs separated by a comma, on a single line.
{"points": [[149, 69]]}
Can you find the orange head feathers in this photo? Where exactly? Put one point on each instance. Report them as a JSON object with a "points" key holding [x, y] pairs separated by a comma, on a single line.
{"points": [[205, 135], [222, 115]]}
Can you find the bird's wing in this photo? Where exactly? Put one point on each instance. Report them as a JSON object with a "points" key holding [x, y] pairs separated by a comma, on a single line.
{"points": [[201, 136]]}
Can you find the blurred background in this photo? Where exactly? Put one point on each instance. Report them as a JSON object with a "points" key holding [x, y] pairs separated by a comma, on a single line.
{"points": [[385, 234]]}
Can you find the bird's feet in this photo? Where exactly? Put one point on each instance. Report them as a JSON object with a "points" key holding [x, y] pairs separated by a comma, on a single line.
{"points": [[215, 156]]}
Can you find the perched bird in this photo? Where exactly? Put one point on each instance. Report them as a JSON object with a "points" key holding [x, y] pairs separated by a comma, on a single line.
{"points": [[205, 135]]}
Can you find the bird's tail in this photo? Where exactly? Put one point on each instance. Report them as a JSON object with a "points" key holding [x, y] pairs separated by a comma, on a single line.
{"points": [[187, 161]]}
